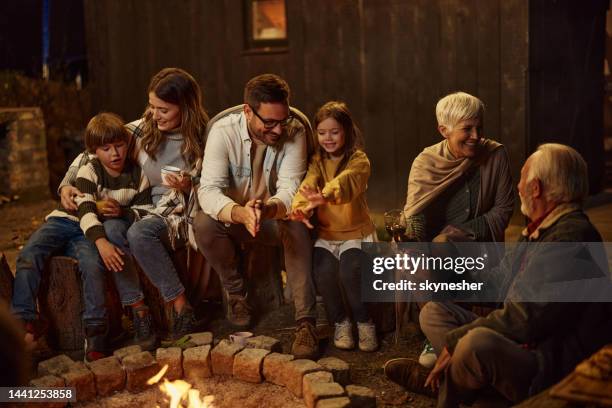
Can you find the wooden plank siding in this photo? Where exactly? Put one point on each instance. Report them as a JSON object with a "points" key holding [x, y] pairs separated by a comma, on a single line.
{"points": [[390, 60]]}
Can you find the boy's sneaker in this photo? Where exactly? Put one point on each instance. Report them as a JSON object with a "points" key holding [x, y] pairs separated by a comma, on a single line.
{"points": [[182, 323], [306, 343], [343, 336], [95, 342], [428, 357], [367, 336], [143, 328], [36, 339], [238, 311]]}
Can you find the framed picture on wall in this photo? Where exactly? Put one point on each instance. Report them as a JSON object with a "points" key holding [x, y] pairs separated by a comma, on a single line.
{"points": [[266, 25]]}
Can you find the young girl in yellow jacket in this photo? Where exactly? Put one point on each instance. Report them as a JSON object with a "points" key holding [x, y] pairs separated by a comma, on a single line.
{"points": [[335, 188]]}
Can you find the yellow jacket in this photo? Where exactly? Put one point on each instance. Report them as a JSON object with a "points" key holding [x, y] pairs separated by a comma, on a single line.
{"points": [[346, 216]]}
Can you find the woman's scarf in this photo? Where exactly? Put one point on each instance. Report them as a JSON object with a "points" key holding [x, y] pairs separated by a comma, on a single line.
{"points": [[435, 169]]}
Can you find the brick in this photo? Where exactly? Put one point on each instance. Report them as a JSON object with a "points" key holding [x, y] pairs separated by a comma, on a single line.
{"points": [[109, 375], [82, 379], [274, 367], [339, 368], [126, 351], [48, 381], [139, 368], [222, 357], [196, 363], [295, 371], [266, 343], [361, 396], [173, 357], [55, 366], [315, 391], [339, 402], [248, 364], [317, 376], [201, 339]]}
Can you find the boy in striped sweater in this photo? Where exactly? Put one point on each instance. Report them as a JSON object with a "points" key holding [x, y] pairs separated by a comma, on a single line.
{"points": [[114, 176]]}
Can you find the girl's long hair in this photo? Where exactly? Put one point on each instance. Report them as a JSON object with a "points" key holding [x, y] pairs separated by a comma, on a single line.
{"points": [[353, 139], [176, 86]]}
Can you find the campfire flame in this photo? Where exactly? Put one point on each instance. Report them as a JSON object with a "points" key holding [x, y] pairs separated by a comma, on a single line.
{"points": [[180, 392]]}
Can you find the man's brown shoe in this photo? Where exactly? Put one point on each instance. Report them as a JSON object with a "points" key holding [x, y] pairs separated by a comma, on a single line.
{"points": [[306, 343], [409, 374], [238, 311]]}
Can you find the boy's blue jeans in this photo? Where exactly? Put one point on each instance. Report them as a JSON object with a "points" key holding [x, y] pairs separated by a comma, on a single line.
{"points": [[59, 235]]}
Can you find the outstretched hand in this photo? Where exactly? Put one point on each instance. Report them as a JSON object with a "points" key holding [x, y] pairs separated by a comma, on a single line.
{"points": [[314, 196], [299, 215]]}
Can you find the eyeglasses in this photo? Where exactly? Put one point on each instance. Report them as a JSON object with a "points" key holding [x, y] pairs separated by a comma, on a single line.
{"points": [[272, 123]]}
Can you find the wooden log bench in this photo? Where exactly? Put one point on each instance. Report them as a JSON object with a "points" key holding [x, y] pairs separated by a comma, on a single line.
{"points": [[61, 299]]}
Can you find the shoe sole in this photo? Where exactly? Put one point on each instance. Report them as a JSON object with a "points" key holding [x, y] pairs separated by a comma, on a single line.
{"points": [[344, 348], [393, 360]]}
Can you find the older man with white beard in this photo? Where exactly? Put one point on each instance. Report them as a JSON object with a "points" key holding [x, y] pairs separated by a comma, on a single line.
{"points": [[525, 346]]}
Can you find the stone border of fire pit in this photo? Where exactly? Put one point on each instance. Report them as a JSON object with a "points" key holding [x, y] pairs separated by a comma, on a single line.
{"points": [[325, 383]]}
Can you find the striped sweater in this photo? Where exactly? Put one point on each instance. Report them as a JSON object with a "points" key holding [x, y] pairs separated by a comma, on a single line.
{"points": [[131, 189]]}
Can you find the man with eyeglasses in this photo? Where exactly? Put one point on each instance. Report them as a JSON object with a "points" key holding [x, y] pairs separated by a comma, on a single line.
{"points": [[254, 161]]}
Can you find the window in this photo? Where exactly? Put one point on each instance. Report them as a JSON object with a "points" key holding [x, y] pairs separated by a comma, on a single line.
{"points": [[266, 25]]}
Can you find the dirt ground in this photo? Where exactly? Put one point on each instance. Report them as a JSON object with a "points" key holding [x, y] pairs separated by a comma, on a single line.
{"points": [[21, 219]]}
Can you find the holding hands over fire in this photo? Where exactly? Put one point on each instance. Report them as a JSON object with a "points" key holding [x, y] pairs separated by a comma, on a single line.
{"points": [[110, 254], [248, 215], [315, 199]]}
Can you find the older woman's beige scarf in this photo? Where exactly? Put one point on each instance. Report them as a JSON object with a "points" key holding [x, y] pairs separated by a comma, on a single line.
{"points": [[435, 169]]}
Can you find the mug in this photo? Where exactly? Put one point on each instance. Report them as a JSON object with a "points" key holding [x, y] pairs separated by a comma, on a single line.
{"points": [[240, 338], [169, 170]]}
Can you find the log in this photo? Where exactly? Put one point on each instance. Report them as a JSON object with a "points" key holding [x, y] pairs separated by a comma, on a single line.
{"points": [[60, 302], [6, 281], [60, 299], [262, 265]]}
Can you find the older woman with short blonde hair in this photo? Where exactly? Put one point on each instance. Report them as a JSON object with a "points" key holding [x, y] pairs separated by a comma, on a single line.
{"points": [[460, 188]]}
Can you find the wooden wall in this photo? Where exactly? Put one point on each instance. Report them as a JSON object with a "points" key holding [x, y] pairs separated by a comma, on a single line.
{"points": [[390, 60], [566, 78]]}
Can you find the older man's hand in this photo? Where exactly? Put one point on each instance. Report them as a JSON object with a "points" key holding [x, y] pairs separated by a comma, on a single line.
{"points": [[442, 364]]}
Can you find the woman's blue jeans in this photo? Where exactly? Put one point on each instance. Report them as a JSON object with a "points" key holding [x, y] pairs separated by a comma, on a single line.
{"points": [[147, 238]]}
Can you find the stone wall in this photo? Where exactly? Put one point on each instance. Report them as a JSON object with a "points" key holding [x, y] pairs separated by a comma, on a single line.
{"points": [[23, 152], [65, 110]]}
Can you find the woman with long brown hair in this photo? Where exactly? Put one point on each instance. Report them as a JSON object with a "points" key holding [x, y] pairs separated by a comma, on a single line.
{"points": [[170, 138]]}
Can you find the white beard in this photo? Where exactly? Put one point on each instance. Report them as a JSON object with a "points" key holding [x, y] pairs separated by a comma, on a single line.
{"points": [[526, 206]]}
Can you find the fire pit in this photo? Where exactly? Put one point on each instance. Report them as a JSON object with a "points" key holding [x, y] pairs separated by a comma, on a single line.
{"points": [[206, 374]]}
